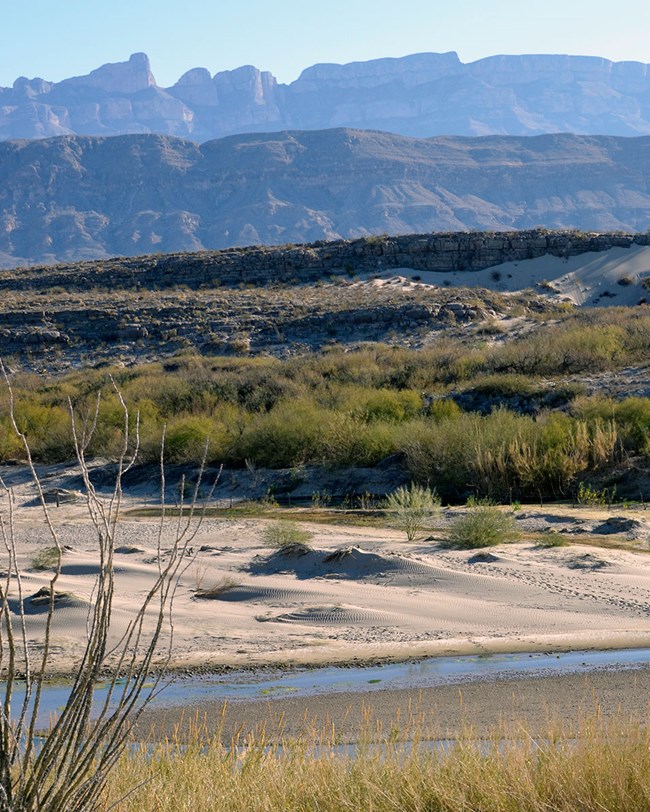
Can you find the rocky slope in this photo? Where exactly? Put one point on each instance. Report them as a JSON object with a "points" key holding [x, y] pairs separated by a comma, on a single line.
{"points": [[419, 95], [284, 300], [72, 198]]}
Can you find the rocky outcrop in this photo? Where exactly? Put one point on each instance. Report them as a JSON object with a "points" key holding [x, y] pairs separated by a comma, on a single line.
{"points": [[297, 264], [76, 198], [419, 95], [123, 77]]}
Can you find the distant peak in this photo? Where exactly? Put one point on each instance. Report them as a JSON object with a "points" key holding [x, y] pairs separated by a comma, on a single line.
{"points": [[140, 59], [121, 77]]}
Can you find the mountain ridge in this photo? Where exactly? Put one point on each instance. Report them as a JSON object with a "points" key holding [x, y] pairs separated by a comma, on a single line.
{"points": [[83, 197], [419, 95]]}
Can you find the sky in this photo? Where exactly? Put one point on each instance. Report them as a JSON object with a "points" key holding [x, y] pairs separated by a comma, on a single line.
{"points": [[55, 39]]}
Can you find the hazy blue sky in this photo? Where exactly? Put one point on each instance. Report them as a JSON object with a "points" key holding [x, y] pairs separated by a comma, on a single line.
{"points": [[59, 38]]}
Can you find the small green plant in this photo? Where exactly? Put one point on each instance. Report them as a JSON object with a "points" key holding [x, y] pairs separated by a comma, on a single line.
{"points": [[483, 525], [321, 499], [411, 507], [516, 506], [268, 501], [367, 501], [286, 534], [591, 497], [552, 540], [46, 559]]}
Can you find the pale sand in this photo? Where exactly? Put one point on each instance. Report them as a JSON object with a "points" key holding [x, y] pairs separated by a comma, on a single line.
{"points": [[590, 279], [386, 599]]}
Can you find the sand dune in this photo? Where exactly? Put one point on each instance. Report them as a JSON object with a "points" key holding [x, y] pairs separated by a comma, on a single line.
{"points": [[360, 593], [611, 277]]}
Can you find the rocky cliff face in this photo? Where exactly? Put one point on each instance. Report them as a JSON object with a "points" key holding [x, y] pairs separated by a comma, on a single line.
{"points": [[297, 264], [74, 198], [420, 95]]}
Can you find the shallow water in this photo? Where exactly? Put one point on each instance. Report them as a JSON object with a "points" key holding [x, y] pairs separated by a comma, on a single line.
{"points": [[268, 684], [421, 674]]}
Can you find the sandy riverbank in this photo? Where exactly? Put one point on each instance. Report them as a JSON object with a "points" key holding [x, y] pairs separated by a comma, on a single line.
{"points": [[360, 593]]}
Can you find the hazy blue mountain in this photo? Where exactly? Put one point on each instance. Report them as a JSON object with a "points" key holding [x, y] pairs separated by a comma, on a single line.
{"points": [[84, 197], [420, 95]]}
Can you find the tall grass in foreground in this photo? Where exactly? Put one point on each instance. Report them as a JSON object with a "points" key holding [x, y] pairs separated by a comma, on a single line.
{"points": [[602, 766]]}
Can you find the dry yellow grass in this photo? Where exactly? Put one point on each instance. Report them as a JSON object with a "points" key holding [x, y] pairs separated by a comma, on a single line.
{"points": [[601, 766]]}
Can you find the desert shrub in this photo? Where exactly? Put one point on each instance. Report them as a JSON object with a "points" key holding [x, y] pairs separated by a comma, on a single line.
{"points": [[551, 541], [10, 446], [444, 409], [631, 417], [47, 429], [566, 349], [356, 407], [467, 451], [173, 395], [46, 559], [386, 404], [108, 436], [558, 451], [286, 534], [288, 435], [346, 441], [505, 385], [410, 508], [588, 495], [186, 438], [361, 368], [484, 524]]}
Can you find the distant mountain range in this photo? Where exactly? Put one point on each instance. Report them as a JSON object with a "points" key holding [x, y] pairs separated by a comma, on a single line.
{"points": [[420, 95], [82, 197]]}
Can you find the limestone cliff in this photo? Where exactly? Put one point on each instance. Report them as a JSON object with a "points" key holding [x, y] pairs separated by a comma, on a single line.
{"points": [[420, 95]]}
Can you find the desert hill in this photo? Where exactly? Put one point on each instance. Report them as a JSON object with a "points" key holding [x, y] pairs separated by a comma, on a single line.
{"points": [[413, 291]]}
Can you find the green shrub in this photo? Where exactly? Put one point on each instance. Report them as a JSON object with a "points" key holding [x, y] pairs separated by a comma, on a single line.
{"points": [[285, 535], [552, 540], [588, 495], [346, 441], [411, 507], [631, 417], [186, 438], [46, 559], [288, 435], [503, 385], [389, 405], [483, 525], [444, 409]]}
